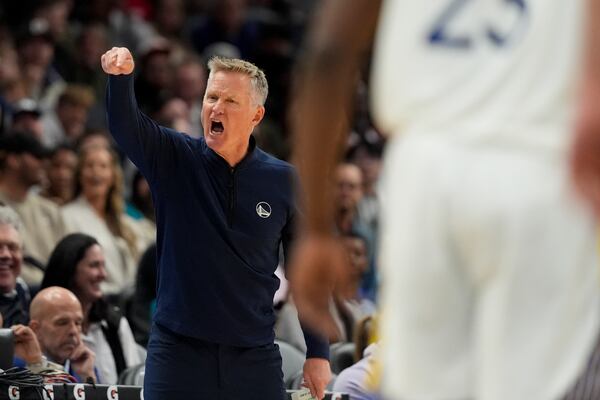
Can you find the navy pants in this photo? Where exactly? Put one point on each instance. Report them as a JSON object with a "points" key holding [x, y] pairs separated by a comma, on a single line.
{"points": [[180, 367]]}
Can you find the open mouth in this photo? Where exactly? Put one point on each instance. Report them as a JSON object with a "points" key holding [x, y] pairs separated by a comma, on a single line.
{"points": [[5, 267], [216, 127]]}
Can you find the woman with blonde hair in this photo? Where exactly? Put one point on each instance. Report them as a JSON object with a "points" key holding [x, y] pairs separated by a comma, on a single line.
{"points": [[98, 210]]}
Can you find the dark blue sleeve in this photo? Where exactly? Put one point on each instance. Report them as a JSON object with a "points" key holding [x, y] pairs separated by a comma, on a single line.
{"points": [[316, 346], [79, 379], [19, 362], [145, 142]]}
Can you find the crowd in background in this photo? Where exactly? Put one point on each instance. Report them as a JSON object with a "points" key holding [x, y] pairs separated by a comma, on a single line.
{"points": [[85, 215]]}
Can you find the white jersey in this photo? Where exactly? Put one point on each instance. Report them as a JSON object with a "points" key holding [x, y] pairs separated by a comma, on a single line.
{"points": [[479, 69]]}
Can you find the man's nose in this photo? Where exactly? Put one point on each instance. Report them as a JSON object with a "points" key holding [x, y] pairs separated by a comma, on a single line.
{"points": [[4, 252], [74, 329], [218, 107]]}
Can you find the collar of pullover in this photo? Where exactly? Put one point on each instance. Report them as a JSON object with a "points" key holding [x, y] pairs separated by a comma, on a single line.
{"points": [[251, 154]]}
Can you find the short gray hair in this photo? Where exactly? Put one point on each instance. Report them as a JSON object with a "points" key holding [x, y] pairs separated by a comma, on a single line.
{"points": [[258, 80], [8, 216]]}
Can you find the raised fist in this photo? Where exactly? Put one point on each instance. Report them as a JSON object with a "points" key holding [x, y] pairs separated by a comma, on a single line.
{"points": [[117, 61]]}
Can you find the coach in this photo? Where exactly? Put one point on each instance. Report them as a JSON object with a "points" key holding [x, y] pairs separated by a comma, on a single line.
{"points": [[223, 207]]}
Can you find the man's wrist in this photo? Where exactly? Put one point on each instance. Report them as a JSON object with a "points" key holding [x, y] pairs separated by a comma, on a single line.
{"points": [[39, 365], [42, 365]]}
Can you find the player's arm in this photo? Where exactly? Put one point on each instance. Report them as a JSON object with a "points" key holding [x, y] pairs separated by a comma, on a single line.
{"points": [[327, 75], [585, 155]]}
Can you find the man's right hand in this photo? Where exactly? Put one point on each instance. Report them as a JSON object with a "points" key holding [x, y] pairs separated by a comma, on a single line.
{"points": [[82, 362], [118, 61], [26, 344]]}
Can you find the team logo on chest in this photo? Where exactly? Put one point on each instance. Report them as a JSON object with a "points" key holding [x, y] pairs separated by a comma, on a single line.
{"points": [[263, 209]]}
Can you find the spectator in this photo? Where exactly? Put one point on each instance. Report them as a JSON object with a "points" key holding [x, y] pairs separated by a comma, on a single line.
{"points": [[348, 181], [83, 69], [98, 210], [348, 196], [77, 263], [56, 14], [359, 380], [173, 113], [56, 319], [43, 224], [154, 81], [60, 185], [227, 22], [169, 18], [26, 117], [346, 310], [94, 138], [67, 122], [367, 157], [35, 46], [189, 85], [357, 304], [14, 294], [169, 21]]}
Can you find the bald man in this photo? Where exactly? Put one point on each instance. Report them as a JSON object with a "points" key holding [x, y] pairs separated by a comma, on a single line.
{"points": [[56, 318]]}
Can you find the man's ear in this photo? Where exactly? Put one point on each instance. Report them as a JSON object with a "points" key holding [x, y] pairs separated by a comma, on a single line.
{"points": [[258, 115], [34, 324]]}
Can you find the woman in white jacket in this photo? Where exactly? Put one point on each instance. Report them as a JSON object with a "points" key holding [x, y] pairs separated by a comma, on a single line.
{"points": [[99, 211]]}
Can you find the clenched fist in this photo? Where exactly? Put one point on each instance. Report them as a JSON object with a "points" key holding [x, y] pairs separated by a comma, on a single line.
{"points": [[118, 61]]}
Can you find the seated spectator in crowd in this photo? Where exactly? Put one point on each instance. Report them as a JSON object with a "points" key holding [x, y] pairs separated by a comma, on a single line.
{"points": [[67, 122], [94, 138], [155, 74], [189, 85], [35, 46], [21, 170], [227, 21], [367, 156], [28, 354], [87, 45], [348, 196], [359, 381], [56, 13], [60, 185], [14, 294], [172, 112], [27, 117], [358, 250], [56, 319], [99, 211], [77, 264], [346, 311]]}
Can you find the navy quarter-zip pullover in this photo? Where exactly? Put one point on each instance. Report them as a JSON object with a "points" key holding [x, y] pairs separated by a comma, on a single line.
{"points": [[218, 228]]}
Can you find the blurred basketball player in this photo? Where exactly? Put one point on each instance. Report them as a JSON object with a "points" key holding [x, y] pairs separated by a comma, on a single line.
{"points": [[489, 259]]}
